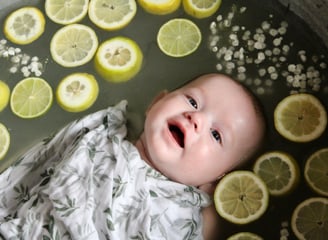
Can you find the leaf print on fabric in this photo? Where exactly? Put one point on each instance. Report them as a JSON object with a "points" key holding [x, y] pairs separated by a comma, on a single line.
{"points": [[109, 222], [46, 176], [140, 236], [118, 187], [66, 206], [188, 227], [23, 194]]}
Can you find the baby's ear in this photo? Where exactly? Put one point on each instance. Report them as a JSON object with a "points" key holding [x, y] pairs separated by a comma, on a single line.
{"points": [[158, 97]]}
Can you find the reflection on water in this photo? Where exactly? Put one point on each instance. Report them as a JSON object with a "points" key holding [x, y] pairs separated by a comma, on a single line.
{"points": [[260, 43]]}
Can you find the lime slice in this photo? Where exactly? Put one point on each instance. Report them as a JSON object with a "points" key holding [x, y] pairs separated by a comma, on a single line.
{"points": [[24, 25], [309, 219], [4, 95], [112, 14], [201, 8], [161, 7], [279, 171], [241, 197], [118, 59], [73, 45], [179, 37], [244, 236], [4, 141], [300, 117], [316, 171], [31, 98], [77, 92], [66, 11]]}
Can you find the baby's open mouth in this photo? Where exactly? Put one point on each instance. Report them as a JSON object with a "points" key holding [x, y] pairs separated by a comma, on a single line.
{"points": [[177, 134]]}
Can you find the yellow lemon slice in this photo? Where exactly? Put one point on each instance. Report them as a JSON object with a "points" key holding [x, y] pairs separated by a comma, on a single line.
{"points": [[112, 14], [77, 92], [309, 219], [300, 117], [66, 11], [4, 141], [118, 59], [241, 197], [160, 7], [279, 171], [73, 45], [244, 236], [201, 8], [24, 25], [179, 37], [4, 95], [316, 171], [31, 98]]}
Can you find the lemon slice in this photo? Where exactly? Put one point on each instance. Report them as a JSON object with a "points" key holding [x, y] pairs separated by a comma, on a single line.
{"points": [[112, 14], [24, 25], [300, 117], [66, 11], [4, 95], [160, 7], [279, 171], [316, 171], [118, 59], [241, 197], [31, 98], [77, 92], [244, 236], [73, 45], [201, 8], [309, 219], [4, 141], [179, 37]]}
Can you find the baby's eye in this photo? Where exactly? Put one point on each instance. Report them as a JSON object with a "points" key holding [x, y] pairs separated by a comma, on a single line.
{"points": [[192, 102], [216, 135]]}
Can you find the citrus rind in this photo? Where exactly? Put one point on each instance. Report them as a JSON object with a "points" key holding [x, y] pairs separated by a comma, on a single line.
{"points": [[300, 118], [244, 236], [160, 7], [4, 141], [201, 9], [4, 95]]}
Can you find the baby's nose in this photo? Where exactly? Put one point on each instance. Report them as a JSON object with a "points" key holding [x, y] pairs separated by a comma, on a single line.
{"points": [[193, 119]]}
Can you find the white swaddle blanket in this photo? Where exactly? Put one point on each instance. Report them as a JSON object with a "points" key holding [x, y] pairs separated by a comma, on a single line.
{"points": [[88, 182]]}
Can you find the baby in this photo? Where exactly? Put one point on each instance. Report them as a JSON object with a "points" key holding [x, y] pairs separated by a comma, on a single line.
{"points": [[88, 182]]}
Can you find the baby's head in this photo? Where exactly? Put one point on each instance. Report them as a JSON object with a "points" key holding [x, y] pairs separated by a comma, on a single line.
{"points": [[197, 133]]}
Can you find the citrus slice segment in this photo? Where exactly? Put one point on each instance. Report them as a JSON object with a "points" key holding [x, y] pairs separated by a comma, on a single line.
{"points": [[179, 37], [31, 98], [300, 117], [279, 171], [77, 92], [316, 171], [24, 25], [118, 59], [66, 11], [241, 197], [244, 236], [73, 45], [4, 95], [161, 7], [201, 8], [112, 14], [309, 220], [4, 141]]}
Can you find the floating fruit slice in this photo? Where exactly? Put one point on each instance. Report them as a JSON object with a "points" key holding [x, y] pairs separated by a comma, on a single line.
{"points": [[24, 25], [316, 171], [179, 37], [4, 95], [160, 7], [244, 236], [31, 98], [300, 117], [309, 219], [279, 171], [66, 11], [110, 14], [241, 197], [201, 8], [118, 59], [73, 45], [4, 141], [77, 92]]}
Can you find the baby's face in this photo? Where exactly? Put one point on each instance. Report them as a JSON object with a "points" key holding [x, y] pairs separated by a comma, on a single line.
{"points": [[199, 132]]}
